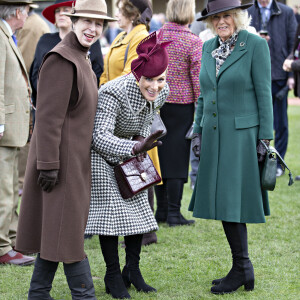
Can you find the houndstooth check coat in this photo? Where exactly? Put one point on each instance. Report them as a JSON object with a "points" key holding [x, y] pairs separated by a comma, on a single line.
{"points": [[121, 114]]}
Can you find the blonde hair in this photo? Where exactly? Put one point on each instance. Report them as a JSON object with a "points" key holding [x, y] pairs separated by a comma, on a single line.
{"points": [[241, 20], [181, 11]]}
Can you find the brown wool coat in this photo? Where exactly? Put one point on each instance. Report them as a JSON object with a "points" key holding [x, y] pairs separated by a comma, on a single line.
{"points": [[54, 223]]}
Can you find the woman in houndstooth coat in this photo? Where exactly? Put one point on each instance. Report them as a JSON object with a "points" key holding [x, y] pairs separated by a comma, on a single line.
{"points": [[126, 107]]}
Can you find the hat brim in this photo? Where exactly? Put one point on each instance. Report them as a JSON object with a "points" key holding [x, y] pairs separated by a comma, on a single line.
{"points": [[92, 16], [205, 14], [49, 12], [25, 2]]}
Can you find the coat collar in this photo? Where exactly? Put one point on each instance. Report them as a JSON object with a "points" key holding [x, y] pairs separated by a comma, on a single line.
{"points": [[239, 50], [13, 46], [275, 9]]}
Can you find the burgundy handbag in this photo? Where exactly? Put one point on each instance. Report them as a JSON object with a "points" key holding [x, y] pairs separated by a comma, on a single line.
{"points": [[134, 176]]}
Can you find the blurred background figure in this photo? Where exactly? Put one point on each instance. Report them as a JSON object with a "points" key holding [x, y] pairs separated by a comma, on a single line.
{"points": [[292, 64], [55, 14], [28, 38], [133, 18], [178, 112], [296, 12], [111, 32], [14, 125], [277, 24]]}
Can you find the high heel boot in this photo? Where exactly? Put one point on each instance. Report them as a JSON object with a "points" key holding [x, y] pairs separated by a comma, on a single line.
{"points": [[161, 202], [242, 272], [131, 272], [42, 278], [113, 280], [80, 280]]}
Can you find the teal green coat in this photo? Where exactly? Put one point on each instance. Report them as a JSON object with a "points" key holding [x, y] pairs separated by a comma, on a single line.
{"points": [[234, 111]]}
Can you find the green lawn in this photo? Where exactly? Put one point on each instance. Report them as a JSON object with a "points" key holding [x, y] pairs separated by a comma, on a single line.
{"points": [[186, 259]]}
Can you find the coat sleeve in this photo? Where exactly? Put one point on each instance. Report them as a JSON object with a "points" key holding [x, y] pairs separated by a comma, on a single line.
{"points": [[97, 60], [54, 92], [2, 79], [104, 141], [296, 65], [261, 76]]}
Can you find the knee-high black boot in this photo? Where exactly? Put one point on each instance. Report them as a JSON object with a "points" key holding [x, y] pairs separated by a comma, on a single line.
{"points": [[80, 280], [42, 278], [131, 273], [242, 272], [174, 193], [150, 237], [161, 202], [113, 280]]}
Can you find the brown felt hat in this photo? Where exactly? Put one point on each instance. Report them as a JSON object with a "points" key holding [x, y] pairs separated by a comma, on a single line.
{"points": [[95, 9], [216, 6]]}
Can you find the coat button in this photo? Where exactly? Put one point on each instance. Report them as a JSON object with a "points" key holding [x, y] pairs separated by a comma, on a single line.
{"points": [[213, 102], [214, 114], [215, 127]]}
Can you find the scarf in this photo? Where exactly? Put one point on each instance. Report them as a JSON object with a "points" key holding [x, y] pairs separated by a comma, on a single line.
{"points": [[220, 54]]}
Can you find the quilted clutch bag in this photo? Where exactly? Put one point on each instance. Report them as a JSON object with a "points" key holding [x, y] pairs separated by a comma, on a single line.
{"points": [[134, 176]]}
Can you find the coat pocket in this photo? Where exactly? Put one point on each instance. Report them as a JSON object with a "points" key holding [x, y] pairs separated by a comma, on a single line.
{"points": [[249, 121], [9, 109]]}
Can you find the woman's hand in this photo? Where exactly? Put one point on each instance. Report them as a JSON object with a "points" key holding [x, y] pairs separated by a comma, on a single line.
{"points": [[196, 143], [261, 150], [287, 65], [148, 143], [140, 157], [48, 179]]}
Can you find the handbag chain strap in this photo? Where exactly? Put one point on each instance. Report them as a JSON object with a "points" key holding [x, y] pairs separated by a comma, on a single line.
{"points": [[270, 150]]}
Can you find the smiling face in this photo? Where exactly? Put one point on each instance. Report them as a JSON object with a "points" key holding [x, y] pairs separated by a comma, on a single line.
{"points": [[61, 20], [88, 30], [224, 25], [151, 87], [123, 21]]}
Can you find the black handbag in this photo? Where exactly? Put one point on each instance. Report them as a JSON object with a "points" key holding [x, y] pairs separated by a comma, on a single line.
{"points": [[189, 133], [134, 176], [158, 124], [268, 175]]}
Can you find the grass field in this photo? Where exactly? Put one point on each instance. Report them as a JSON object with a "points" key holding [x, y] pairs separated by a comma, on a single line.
{"points": [[186, 259]]}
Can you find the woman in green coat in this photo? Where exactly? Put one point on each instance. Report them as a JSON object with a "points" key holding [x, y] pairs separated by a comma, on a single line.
{"points": [[234, 113]]}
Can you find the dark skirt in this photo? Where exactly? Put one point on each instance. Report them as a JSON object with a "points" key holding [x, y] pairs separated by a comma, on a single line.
{"points": [[174, 153]]}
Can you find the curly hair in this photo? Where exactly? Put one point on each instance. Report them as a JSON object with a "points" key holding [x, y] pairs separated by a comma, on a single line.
{"points": [[241, 20]]}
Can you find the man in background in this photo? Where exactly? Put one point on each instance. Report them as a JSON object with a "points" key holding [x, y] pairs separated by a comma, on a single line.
{"points": [[276, 23], [14, 124]]}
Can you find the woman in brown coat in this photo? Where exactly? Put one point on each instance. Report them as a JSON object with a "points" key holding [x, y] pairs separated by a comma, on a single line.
{"points": [[56, 196]]}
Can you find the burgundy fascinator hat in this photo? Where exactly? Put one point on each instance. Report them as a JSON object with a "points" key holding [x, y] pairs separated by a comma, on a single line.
{"points": [[49, 12], [153, 58]]}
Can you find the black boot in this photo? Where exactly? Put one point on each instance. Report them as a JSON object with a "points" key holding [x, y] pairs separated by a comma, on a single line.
{"points": [[174, 191], [42, 278], [113, 280], [150, 237], [242, 272], [161, 202], [80, 280], [131, 273]]}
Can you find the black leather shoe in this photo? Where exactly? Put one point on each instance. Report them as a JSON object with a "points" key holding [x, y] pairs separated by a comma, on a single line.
{"points": [[115, 286], [178, 220], [217, 281]]}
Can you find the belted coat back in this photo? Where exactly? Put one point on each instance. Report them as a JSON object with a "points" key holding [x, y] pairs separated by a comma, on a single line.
{"points": [[234, 111], [54, 223]]}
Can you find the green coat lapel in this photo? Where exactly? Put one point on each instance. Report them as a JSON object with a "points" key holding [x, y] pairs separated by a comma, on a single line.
{"points": [[239, 50], [208, 61]]}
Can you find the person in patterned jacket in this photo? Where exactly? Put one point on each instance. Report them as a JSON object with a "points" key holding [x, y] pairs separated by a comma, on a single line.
{"points": [[126, 107]]}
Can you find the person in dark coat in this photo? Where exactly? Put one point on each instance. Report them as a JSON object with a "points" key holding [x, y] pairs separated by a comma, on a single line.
{"points": [[292, 64], [55, 14], [55, 202], [126, 108], [276, 23], [233, 115]]}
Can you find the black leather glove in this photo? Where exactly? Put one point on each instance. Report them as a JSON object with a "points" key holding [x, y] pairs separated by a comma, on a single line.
{"points": [[148, 143], [261, 150], [48, 179], [196, 143], [141, 156]]}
